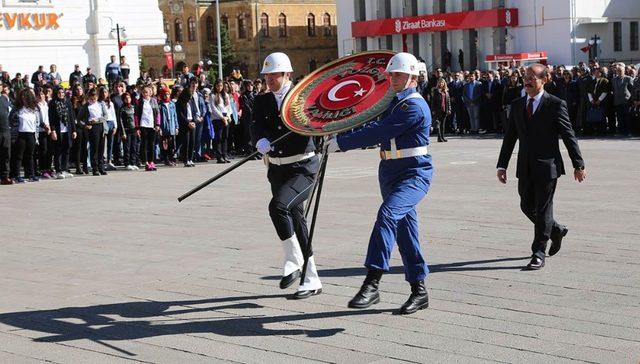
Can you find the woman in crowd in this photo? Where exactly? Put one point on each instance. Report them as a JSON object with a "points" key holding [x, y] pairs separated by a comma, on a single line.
{"points": [[92, 117], [110, 126], [208, 131], [186, 127], [512, 92], [44, 151], [220, 110], [440, 107], [128, 133], [80, 143], [168, 127], [63, 131], [148, 122], [26, 117]]}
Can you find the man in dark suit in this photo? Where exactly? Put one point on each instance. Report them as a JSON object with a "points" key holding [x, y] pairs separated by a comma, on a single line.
{"points": [[536, 121]]}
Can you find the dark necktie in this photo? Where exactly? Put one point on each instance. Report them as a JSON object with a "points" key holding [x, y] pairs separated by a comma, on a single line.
{"points": [[530, 108]]}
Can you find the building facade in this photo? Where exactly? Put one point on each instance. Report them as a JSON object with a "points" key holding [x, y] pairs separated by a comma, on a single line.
{"points": [[561, 30], [65, 33], [306, 30]]}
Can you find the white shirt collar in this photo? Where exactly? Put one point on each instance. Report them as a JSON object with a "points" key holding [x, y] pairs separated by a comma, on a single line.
{"points": [[536, 98]]}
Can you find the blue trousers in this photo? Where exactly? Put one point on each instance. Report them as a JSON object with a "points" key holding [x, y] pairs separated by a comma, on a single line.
{"points": [[397, 222]]}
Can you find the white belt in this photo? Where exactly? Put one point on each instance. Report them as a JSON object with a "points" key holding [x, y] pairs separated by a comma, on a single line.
{"points": [[292, 159], [403, 153]]}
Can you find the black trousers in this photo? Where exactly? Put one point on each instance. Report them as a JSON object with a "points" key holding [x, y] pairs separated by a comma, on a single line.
{"points": [[187, 142], [168, 148], [80, 148], [23, 153], [130, 148], [96, 143], [45, 152], [536, 202], [439, 125], [5, 154], [61, 149], [291, 186], [221, 139], [148, 145]]}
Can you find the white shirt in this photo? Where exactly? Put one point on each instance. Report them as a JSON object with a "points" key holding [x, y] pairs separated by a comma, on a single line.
{"points": [[196, 98], [95, 111], [280, 94], [111, 111], [536, 101], [28, 120], [146, 119], [189, 113], [44, 114]]}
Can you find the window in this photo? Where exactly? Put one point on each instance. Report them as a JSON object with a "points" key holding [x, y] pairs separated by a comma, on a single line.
{"points": [[282, 25], [633, 38], [209, 26], [264, 25], [178, 30], [311, 25], [617, 36], [191, 29], [313, 64], [224, 21], [242, 26], [326, 23]]}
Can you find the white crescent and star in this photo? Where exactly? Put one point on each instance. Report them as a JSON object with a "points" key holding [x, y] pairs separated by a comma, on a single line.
{"points": [[332, 92]]}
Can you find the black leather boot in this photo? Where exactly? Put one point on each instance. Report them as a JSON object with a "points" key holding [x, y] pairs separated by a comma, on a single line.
{"points": [[418, 300], [368, 294]]}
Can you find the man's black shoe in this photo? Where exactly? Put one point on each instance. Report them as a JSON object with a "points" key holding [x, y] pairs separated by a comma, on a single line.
{"points": [[368, 294], [306, 294], [287, 281], [418, 300], [556, 240], [535, 263]]}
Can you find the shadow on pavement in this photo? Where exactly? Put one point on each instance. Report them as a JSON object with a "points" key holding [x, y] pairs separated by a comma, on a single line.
{"points": [[433, 268], [137, 320]]}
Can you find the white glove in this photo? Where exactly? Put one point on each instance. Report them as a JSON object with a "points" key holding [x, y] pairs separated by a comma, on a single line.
{"points": [[263, 146], [332, 145]]}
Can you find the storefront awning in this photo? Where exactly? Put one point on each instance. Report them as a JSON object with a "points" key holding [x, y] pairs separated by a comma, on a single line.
{"points": [[436, 22]]}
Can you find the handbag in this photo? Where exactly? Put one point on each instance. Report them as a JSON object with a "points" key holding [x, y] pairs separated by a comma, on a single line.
{"points": [[595, 115]]}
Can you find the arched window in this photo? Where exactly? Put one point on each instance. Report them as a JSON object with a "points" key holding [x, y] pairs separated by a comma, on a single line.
{"points": [[191, 29], [311, 25], [209, 26], [242, 26], [264, 24], [282, 25], [326, 24], [224, 21], [178, 30]]}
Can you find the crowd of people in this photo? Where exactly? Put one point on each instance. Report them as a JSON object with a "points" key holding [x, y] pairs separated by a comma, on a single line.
{"points": [[601, 100], [95, 124]]}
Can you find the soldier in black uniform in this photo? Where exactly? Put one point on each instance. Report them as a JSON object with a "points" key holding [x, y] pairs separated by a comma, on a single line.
{"points": [[292, 166]]}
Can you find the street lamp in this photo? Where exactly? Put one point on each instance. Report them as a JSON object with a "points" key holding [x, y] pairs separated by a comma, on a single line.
{"points": [[120, 32], [172, 49], [219, 40], [594, 42]]}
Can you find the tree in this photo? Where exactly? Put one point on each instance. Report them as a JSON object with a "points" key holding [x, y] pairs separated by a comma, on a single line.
{"points": [[228, 55]]}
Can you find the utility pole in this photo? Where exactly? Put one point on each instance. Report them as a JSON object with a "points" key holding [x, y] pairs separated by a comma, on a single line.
{"points": [[220, 76]]}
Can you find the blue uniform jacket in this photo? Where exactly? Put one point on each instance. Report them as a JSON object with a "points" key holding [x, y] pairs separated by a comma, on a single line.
{"points": [[409, 123]]}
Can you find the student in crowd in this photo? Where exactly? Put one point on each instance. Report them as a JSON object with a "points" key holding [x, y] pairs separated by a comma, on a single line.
{"points": [[186, 127], [220, 109], [92, 117], [440, 107], [27, 117], [43, 148], [168, 127], [208, 131], [110, 125], [5, 135], [63, 131], [246, 105], [148, 123], [116, 98], [128, 133], [79, 149]]}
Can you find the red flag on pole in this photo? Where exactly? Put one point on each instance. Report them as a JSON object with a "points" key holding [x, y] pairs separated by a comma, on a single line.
{"points": [[586, 49], [122, 44], [168, 57]]}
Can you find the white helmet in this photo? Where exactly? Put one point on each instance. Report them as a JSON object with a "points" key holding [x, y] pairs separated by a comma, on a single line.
{"points": [[276, 62], [405, 63]]}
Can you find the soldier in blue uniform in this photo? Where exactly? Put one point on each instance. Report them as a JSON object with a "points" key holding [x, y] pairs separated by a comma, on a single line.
{"points": [[405, 176]]}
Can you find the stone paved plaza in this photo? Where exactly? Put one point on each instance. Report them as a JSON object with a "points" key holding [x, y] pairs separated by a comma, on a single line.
{"points": [[113, 269]]}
